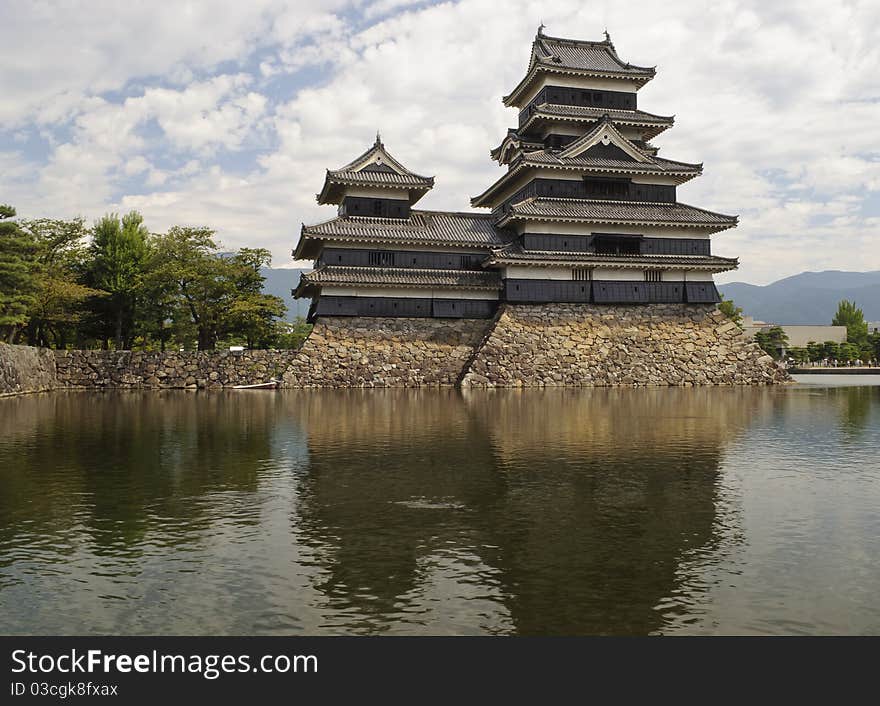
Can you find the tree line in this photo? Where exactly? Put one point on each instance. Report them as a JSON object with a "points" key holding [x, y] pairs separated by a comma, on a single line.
{"points": [[116, 285], [860, 344]]}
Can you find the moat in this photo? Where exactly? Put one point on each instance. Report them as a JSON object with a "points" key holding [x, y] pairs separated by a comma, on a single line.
{"points": [[596, 511]]}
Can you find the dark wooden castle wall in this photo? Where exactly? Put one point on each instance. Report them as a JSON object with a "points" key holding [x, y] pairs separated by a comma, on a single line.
{"points": [[562, 95], [405, 307], [594, 243], [401, 258], [540, 291], [368, 206], [592, 188]]}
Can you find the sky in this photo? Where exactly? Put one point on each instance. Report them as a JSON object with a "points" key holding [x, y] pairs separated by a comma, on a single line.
{"points": [[227, 114]]}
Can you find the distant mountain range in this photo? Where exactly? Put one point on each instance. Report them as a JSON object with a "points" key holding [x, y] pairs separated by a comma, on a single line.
{"points": [[807, 298], [279, 281]]}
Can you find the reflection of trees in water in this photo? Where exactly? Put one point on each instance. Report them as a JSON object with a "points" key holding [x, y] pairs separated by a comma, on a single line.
{"points": [[125, 464], [855, 407], [580, 502]]}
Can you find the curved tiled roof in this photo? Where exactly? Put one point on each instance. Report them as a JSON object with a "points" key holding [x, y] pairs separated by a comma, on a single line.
{"points": [[581, 113], [374, 168], [514, 254], [343, 275], [475, 230], [582, 54], [635, 212], [657, 164], [574, 56]]}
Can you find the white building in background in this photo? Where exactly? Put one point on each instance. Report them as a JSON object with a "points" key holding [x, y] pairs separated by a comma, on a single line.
{"points": [[798, 336]]}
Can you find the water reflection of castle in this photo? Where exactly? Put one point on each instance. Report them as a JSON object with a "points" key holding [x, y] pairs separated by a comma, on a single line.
{"points": [[572, 510]]}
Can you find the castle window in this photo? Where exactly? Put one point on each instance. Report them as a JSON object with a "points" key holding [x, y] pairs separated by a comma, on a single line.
{"points": [[381, 258], [582, 274], [653, 276]]}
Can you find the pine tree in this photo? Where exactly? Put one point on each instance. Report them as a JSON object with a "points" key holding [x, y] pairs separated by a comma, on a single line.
{"points": [[17, 281]]}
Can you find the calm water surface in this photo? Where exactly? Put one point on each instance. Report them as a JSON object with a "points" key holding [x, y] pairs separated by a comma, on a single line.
{"points": [[435, 512]]}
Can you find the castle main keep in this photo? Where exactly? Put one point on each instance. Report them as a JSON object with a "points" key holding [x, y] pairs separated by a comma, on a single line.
{"points": [[584, 269]]}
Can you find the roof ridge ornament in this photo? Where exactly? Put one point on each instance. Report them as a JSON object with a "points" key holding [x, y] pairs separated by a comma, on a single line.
{"points": [[378, 142], [541, 28], [607, 36]]}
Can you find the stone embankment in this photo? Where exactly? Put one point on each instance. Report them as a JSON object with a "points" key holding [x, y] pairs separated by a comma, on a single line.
{"points": [[189, 369], [24, 369], [386, 352], [587, 345], [558, 345]]}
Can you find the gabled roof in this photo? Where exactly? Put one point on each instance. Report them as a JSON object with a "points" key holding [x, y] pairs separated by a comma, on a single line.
{"points": [[346, 276], [616, 212], [578, 57], [577, 156], [460, 230], [657, 165], [652, 124], [604, 133], [514, 254], [374, 168], [513, 140]]}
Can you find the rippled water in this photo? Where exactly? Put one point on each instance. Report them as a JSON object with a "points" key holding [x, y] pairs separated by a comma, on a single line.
{"points": [[437, 512]]}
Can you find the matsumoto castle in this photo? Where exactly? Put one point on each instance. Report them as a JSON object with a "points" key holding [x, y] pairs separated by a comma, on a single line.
{"points": [[587, 212]]}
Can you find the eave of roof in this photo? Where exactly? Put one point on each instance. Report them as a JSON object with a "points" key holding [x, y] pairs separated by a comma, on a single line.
{"points": [[356, 173], [515, 255], [415, 186], [556, 51], [616, 212], [511, 98], [348, 276], [575, 113], [435, 228], [680, 171]]}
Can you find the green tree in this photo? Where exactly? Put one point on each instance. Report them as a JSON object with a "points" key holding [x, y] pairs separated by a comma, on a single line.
{"points": [[848, 352], [799, 355], [219, 295], [17, 282], [119, 249], [849, 315], [157, 300], [874, 345], [815, 351], [252, 314], [734, 312], [291, 335], [773, 341], [830, 350], [62, 300]]}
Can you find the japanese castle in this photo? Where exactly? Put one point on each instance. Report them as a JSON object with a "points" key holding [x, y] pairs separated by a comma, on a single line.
{"points": [[586, 212]]}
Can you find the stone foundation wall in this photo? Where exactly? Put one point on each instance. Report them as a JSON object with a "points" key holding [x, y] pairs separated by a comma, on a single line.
{"points": [[386, 352], [190, 369], [25, 369], [524, 346], [589, 345]]}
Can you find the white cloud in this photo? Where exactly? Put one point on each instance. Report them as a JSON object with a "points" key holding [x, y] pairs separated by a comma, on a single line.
{"points": [[781, 103]]}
